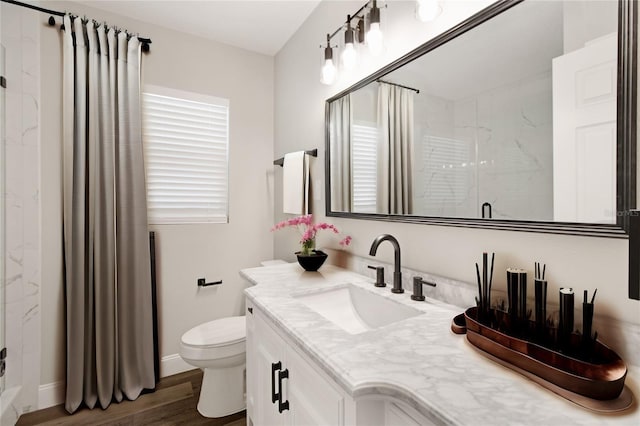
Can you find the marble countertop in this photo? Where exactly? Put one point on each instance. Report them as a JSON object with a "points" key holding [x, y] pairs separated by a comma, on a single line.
{"points": [[417, 360]]}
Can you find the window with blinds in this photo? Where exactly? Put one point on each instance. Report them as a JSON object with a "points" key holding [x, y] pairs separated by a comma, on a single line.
{"points": [[364, 159], [186, 140]]}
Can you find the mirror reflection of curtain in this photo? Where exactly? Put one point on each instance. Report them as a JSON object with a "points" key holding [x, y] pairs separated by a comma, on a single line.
{"points": [[395, 149], [340, 118]]}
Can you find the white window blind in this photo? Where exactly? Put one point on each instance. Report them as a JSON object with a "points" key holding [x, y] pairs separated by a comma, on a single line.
{"points": [[364, 140], [186, 138]]}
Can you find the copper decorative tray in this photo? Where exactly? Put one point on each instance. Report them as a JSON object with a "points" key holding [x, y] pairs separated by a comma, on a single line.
{"points": [[601, 378]]}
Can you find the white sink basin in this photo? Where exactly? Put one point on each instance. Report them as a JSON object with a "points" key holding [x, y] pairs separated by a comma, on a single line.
{"points": [[356, 310]]}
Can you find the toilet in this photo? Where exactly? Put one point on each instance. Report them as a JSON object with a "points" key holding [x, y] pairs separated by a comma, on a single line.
{"points": [[218, 348]]}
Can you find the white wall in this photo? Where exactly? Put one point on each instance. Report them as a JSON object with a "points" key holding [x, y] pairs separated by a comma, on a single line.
{"points": [[185, 252], [20, 36], [586, 20], [579, 262]]}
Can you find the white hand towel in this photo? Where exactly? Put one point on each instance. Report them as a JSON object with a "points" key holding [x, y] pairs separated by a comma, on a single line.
{"points": [[294, 183]]}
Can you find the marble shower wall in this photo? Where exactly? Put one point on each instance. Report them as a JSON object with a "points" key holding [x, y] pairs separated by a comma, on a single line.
{"points": [[445, 181], [514, 133], [20, 35], [495, 146]]}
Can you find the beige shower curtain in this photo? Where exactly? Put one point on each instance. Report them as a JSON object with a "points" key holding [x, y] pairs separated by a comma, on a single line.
{"points": [[395, 149], [106, 247], [340, 150]]}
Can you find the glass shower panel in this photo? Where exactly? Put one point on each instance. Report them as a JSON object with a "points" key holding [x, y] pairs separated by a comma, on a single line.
{"points": [[2, 224]]}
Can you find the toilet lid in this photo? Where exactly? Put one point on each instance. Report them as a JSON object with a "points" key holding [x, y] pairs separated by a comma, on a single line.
{"points": [[220, 332]]}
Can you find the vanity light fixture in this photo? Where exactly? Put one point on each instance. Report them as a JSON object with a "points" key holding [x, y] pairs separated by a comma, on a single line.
{"points": [[352, 36], [427, 10], [349, 54], [360, 30], [329, 70], [374, 35]]}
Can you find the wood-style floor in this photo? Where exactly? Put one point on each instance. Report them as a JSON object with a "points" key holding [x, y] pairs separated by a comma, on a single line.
{"points": [[173, 403]]}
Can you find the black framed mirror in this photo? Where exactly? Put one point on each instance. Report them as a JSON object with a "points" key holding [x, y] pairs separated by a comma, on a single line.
{"points": [[522, 118]]}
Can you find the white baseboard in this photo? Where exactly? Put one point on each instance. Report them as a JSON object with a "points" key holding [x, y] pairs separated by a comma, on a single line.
{"points": [[173, 364], [51, 394]]}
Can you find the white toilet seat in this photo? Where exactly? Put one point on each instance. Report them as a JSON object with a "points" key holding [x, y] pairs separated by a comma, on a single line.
{"points": [[217, 339]]}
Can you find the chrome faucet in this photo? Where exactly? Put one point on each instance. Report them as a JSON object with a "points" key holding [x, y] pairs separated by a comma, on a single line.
{"points": [[397, 275]]}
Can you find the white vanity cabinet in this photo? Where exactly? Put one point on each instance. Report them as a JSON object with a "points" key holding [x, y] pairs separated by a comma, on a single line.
{"points": [[283, 387]]}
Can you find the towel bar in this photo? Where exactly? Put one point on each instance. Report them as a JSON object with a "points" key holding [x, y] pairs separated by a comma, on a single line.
{"points": [[280, 161]]}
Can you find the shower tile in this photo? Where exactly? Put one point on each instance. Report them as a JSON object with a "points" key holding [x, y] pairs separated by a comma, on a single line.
{"points": [[31, 325], [13, 228], [30, 44], [13, 280], [31, 274], [13, 116], [13, 60], [11, 21], [29, 131], [30, 194], [13, 171], [13, 340], [20, 37]]}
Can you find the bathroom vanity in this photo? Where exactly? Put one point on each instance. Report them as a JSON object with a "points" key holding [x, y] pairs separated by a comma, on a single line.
{"points": [[309, 362]]}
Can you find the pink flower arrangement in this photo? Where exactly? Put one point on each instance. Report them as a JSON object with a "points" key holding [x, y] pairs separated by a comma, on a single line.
{"points": [[308, 231]]}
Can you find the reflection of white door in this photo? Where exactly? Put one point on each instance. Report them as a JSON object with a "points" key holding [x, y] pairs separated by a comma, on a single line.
{"points": [[584, 133]]}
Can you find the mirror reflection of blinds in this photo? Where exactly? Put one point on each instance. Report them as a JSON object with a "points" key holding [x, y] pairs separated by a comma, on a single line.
{"points": [[186, 145], [448, 169], [364, 140]]}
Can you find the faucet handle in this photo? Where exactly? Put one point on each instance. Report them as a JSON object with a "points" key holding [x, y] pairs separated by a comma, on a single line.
{"points": [[417, 288], [379, 275]]}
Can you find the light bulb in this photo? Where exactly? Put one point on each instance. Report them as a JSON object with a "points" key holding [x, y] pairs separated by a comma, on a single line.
{"points": [[427, 10], [328, 72], [349, 57], [374, 38]]}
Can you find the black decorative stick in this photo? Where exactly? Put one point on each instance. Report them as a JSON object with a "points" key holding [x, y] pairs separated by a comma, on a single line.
{"points": [[479, 286], [484, 280], [493, 256], [565, 326]]}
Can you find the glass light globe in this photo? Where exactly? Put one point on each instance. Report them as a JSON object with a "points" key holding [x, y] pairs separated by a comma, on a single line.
{"points": [[329, 72], [374, 39], [349, 57]]}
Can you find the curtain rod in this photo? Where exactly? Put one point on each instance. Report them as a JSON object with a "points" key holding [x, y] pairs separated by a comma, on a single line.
{"points": [[56, 13], [399, 85]]}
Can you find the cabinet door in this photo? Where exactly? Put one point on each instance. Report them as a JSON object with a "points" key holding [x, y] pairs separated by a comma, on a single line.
{"points": [[313, 399], [269, 350]]}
